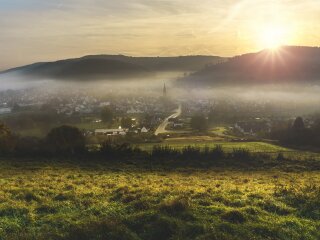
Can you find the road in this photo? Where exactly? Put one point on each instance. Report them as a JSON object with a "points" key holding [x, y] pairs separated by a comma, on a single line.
{"points": [[162, 127]]}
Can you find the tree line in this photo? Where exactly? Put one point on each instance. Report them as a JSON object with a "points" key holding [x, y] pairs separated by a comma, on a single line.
{"points": [[68, 141], [298, 135]]}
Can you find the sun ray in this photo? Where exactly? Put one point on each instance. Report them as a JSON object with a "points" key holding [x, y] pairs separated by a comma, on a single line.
{"points": [[272, 37]]}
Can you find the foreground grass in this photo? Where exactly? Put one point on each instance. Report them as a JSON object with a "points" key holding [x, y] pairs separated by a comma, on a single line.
{"points": [[123, 201]]}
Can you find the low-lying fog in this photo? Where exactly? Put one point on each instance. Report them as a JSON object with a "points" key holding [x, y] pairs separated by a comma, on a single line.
{"points": [[302, 96], [16, 81]]}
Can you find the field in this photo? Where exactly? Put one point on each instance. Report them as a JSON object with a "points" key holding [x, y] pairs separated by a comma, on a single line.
{"points": [[228, 146], [66, 200]]}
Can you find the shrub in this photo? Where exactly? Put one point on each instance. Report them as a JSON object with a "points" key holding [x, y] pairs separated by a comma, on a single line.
{"points": [[164, 152], [7, 140], [190, 152], [65, 140], [114, 150], [28, 146], [241, 154], [217, 152]]}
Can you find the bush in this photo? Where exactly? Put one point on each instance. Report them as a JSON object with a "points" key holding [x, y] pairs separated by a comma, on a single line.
{"points": [[28, 146], [7, 140], [241, 154], [192, 153], [164, 152], [114, 150], [65, 140], [216, 153]]}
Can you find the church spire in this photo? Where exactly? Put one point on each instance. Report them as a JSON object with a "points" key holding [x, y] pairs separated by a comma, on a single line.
{"points": [[164, 90]]}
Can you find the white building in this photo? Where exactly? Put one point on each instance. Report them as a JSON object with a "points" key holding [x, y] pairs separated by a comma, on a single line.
{"points": [[5, 110], [144, 130], [110, 132]]}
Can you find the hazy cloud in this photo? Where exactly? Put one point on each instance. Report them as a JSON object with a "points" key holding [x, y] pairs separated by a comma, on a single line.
{"points": [[35, 30]]}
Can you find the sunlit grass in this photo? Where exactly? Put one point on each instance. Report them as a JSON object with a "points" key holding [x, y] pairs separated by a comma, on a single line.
{"points": [[228, 146], [116, 201]]}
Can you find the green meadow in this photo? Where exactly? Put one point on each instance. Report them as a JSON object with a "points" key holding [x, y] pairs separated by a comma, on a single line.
{"points": [[68, 200], [227, 146]]}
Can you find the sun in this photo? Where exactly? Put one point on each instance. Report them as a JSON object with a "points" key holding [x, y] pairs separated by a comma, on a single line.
{"points": [[272, 37]]}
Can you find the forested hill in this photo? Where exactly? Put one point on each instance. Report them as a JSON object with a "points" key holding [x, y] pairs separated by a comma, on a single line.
{"points": [[114, 66], [286, 64]]}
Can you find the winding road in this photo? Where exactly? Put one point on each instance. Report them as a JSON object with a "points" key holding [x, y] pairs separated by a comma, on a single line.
{"points": [[162, 127]]}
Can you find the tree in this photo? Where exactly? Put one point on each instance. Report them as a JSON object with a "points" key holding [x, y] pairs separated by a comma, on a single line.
{"points": [[298, 124], [199, 123], [107, 115], [28, 146], [65, 140], [4, 130], [147, 121], [7, 140], [126, 122]]}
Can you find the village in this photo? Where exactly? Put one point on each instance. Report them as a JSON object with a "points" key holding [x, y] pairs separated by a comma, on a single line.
{"points": [[144, 114]]}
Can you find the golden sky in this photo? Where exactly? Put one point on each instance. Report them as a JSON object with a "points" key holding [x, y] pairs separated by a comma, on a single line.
{"points": [[42, 30]]}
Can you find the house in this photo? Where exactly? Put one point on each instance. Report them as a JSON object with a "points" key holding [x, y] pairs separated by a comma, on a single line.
{"points": [[110, 132], [144, 130], [253, 127]]}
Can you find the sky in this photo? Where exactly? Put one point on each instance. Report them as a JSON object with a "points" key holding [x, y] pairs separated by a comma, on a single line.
{"points": [[46, 30]]}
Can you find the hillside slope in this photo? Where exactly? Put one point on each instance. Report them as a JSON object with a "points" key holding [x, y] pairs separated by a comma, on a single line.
{"points": [[115, 66], [287, 64]]}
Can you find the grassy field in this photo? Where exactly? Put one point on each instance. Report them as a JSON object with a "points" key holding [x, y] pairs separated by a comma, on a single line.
{"points": [[255, 147], [227, 146], [117, 201], [221, 131]]}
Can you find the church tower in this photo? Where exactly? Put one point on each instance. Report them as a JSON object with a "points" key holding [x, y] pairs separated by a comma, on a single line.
{"points": [[164, 90]]}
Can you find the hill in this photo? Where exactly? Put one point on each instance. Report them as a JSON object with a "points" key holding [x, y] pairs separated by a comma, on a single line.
{"points": [[115, 66], [286, 64]]}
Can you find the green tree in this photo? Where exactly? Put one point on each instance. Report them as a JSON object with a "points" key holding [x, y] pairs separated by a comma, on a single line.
{"points": [[199, 123], [4, 130], [7, 140], [126, 122], [65, 140], [298, 124], [107, 115]]}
